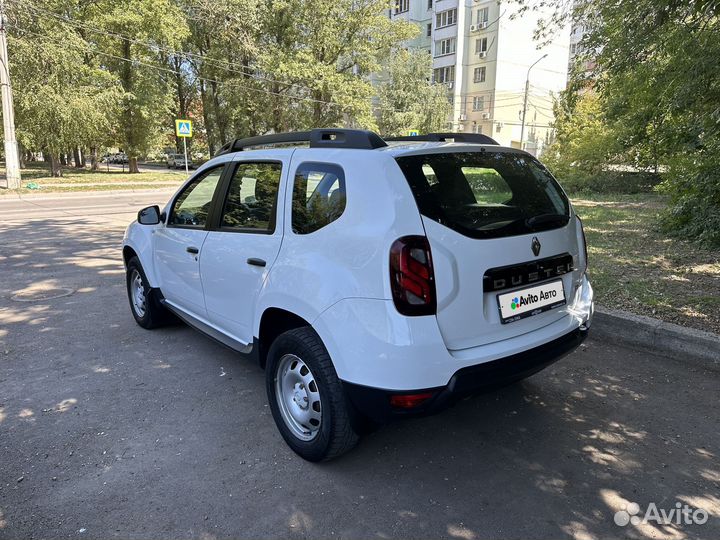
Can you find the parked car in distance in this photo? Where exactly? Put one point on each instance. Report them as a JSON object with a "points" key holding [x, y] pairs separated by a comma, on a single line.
{"points": [[177, 161], [370, 280]]}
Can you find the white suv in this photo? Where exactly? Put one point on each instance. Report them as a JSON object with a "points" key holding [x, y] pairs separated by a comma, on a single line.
{"points": [[370, 280]]}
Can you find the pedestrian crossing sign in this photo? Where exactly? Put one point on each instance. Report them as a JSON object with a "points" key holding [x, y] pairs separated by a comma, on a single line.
{"points": [[183, 128], [413, 133]]}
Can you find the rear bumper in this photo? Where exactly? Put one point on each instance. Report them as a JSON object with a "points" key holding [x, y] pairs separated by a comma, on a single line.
{"points": [[374, 403], [373, 346]]}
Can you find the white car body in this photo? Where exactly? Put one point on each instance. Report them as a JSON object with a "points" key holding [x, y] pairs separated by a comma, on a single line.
{"points": [[336, 279]]}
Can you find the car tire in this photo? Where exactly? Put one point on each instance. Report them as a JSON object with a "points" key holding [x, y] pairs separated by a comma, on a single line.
{"points": [[297, 357], [144, 300]]}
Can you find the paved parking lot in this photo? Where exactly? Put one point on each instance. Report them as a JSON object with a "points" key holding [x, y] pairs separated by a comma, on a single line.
{"points": [[108, 430]]}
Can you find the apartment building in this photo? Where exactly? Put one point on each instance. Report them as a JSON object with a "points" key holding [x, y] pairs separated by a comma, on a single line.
{"points": [[482, 50]]}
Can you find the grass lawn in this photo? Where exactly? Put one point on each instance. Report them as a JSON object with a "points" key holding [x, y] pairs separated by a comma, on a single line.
{"points": [[636, 268], [84, 180]]}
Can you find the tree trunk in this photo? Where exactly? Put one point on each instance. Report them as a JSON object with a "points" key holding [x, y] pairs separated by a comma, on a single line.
{"points": [[317, 108], [209, 125], [56, 165], [128, 118], [63, 161], [93, 159], [76, 158], [83, 156], [220, 118]]}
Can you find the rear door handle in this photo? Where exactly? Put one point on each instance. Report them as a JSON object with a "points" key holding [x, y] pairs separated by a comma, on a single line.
{"points": [[192, 249], [256, 262]]}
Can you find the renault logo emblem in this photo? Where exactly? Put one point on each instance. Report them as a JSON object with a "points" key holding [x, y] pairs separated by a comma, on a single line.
{"points": [[535, 246]]}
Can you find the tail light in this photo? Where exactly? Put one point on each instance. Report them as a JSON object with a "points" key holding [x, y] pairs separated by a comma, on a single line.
{"points": [[584, 241], [409, 401], [411, 276]]}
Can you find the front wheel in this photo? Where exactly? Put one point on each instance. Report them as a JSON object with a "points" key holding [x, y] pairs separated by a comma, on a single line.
{"points": [[306, 397], [146, 309]]}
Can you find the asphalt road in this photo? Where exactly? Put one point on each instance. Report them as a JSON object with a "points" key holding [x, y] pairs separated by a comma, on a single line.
{"points": [[108, 430]]}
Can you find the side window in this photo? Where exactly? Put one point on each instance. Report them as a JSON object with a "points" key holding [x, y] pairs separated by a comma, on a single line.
{"points": [[252, 197], [318, 196], [192, 206]]}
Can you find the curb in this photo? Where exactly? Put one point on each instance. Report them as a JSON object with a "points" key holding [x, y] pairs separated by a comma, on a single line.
{"points": [[87, 194], [666, 339]]}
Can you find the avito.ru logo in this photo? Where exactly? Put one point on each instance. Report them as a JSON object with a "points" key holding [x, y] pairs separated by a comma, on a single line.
{"points": [[680, 515], [528, 299]]}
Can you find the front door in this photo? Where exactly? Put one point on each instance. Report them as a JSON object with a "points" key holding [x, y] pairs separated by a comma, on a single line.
{"points": [[238, 254], [178, 245]]}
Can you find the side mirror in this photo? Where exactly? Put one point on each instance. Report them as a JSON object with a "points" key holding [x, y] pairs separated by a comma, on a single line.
{"points": [[149, 215]]}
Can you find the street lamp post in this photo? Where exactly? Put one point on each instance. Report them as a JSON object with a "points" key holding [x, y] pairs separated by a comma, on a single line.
{"points": [[525, 101]]}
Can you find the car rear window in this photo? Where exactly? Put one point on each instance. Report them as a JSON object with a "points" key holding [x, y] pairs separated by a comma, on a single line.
{"points": [[486, 194]]}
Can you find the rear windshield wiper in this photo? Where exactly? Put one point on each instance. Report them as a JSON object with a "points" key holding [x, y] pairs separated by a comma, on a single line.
{"points": [[546, 219]]}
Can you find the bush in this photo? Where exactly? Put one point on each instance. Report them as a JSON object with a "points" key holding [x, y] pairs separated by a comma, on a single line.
{"points": [[625, 182], [693, 184]]}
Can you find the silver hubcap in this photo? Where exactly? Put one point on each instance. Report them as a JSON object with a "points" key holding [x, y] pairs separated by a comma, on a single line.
{"points": [[297, 397], [137, 293]]}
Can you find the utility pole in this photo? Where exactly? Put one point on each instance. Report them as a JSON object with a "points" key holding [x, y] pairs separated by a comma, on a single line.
{"points": [[12, 161], [525, 101]]}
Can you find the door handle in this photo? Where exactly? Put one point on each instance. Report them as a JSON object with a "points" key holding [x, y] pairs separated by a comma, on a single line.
{"points": [[192, 249], [256, 262]]}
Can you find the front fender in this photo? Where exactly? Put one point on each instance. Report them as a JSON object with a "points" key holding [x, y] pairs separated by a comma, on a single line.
{"points": [[139, 239]]}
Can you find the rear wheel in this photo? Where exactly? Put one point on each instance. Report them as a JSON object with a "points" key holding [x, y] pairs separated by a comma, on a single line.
{"points": [[144, 304], [306, 397]]}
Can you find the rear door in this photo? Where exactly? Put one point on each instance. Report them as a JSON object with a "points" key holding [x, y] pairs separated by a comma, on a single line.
{"points": [[497, 223], [244, 243]]}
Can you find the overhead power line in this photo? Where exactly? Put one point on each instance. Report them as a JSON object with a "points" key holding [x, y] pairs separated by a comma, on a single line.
{"points": [[248, 71], [223, 83]]}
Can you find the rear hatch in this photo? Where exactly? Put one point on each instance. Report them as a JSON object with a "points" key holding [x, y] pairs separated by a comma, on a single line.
{"points": [[503, 243]]}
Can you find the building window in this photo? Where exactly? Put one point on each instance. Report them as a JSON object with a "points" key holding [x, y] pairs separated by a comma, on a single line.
{"points": [[481, 45], [428, 31], [446, 18], [479, 74], [483, 15], [444, 74], [478, 103], [477, 128], [430, 2], [444, 46], [402, 6]]}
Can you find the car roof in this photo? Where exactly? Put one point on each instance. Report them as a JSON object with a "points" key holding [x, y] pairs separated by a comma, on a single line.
{"points": [[418, 148], [392, 150]]}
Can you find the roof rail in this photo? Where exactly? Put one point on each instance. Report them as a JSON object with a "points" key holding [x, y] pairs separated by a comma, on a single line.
{"points": [[476, 138], [318, 138]]}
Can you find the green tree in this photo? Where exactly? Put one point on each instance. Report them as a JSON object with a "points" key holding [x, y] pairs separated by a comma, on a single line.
{"points": [[657, 70], [220, 53], [584, 144], [137, 35], [63, 98], [408, 99], [323, 52]]}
